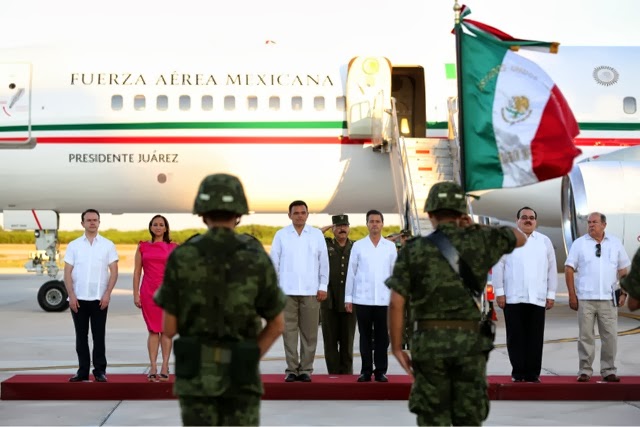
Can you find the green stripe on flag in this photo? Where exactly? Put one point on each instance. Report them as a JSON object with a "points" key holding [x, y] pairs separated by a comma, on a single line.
{"points": [[481, 62]]}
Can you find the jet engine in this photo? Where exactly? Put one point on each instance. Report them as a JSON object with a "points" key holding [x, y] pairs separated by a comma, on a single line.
{"points": [[609, 184]]}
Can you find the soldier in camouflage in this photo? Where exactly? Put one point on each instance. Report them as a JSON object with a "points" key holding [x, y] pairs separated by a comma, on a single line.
{"points": [[217, 289], [631, 283], [448, 351]]}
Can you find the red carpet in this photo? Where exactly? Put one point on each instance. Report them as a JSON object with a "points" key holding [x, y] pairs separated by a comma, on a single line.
{"points": [[323, 387]]}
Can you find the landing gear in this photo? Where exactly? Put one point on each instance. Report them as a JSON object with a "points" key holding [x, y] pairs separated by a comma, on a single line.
{"points": [[52, 296]]}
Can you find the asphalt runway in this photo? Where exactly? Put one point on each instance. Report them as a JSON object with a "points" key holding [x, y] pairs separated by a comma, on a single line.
{"points": [[34, 341]]}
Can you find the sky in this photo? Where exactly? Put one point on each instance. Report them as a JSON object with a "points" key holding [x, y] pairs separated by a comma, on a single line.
{"points": [[295, 23]]}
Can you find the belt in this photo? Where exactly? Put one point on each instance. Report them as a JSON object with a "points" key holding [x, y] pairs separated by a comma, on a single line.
{"points": [[216, 354], [467, 325]]}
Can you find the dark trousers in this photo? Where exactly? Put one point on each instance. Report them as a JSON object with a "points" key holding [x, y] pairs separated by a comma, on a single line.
{"points": [[525, 337], [338, 330], [89, 312], [374, 338]]}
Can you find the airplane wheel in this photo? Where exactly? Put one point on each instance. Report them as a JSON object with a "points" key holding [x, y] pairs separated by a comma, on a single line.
{"points": [[52, 296]]}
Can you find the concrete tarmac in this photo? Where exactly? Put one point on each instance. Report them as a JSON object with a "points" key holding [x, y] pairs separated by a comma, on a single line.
{"points": [[34, 341]]}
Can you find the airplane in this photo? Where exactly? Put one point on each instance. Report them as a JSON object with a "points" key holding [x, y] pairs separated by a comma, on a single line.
{"points": [[128, 132]]}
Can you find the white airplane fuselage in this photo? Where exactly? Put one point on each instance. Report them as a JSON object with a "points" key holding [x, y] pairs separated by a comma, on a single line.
{"points": [[135, 132]]}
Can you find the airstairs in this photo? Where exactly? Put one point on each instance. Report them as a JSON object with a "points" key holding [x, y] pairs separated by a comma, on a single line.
{"points": [[417, 164]]}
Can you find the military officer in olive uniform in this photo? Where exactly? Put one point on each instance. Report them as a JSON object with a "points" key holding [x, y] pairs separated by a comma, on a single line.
{"points": [[217, 288], [338, 326], [449, 348]]}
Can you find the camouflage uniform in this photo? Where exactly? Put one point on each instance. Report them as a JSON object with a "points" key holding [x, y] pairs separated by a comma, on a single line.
{"points": [[449, 363], [219, 285], [631, 283], [338, 326]]}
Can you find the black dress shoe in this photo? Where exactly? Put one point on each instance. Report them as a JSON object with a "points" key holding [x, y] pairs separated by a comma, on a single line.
{"points": [[78, 378], [382, 378], [101, 378], [363, 378], [305, 378], [290, 378]]}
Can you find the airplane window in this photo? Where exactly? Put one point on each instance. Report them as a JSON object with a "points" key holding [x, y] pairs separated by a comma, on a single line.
{"points": [[274, 103], [318, 103], [629, 105], [185, 102], [162, 102], [229, 103], [139, 102], [341, 103], [207, 102], [296, 103], [116, 102], [252, 103]]}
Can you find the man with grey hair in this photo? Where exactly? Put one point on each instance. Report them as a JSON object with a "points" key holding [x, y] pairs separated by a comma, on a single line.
{"points": [[598, 261]]}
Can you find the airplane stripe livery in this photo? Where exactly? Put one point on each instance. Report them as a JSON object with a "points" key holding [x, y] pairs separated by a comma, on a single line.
{"points": [[585, 142]]}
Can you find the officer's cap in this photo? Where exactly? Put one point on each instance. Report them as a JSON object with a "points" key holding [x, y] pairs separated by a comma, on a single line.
{"points": [[340, 219]]}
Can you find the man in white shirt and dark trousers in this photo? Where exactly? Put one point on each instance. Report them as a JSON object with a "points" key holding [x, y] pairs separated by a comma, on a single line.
{"points": [[90, 274], [599, 260], [525, 283], [299, 255], [371, 263]]}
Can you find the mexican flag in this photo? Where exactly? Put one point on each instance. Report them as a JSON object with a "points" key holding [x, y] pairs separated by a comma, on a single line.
{"points": [[517, 126]]}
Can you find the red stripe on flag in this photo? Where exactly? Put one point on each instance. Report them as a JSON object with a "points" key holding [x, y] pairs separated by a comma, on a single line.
{"points": [[553, 148]]}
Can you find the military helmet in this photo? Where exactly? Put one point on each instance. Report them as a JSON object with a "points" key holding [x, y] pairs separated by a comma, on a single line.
{"points": [[221, 192], [446, 195]]}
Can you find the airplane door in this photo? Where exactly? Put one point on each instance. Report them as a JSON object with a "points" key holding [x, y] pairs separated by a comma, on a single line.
{"points": [[409, 91], [368, 96], [15, 106]]}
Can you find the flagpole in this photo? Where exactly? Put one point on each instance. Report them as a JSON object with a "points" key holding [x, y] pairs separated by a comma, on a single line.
{"points": [[458, 33]]}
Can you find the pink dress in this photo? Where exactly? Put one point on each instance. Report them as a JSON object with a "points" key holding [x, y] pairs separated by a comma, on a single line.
{"points": [[154, 259]]}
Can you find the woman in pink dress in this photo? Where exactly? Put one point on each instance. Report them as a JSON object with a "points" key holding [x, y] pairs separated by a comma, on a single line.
{"points": [[151, 257]]}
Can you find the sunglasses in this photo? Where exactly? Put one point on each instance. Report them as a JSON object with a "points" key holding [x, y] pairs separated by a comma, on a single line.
{"points": [[598, 250]]}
